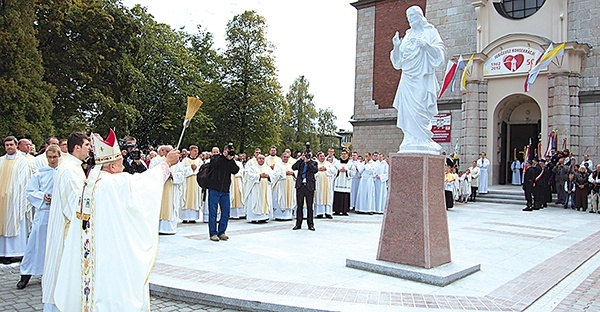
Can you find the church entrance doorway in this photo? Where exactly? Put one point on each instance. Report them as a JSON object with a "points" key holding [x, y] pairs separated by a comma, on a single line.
{"points": [[519, 117]]}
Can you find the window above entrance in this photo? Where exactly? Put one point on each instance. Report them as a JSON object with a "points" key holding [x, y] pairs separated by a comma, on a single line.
{"points": [[518, 9]]}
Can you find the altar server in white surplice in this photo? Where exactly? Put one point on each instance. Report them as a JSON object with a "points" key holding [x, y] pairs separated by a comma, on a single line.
{"points": [[112, 243], [236, 193], [68, 184], [324, 187], [15, 172], [357, 165], [39, 194], [172, 200], [365, 199], [192, 193], [342, 185], [381, 177], [284, 190], [259, 191]]}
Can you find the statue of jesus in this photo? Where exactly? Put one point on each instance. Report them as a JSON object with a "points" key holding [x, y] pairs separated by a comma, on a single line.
{"points": [[417, 55]]}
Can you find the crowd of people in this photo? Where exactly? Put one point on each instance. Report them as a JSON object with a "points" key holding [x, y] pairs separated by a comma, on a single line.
{"points": [[463, 186], [68, 204], [573, 182]]}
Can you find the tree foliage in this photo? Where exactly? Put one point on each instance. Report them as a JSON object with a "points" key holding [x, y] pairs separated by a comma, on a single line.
{"points": [[326, 128], [300, 117], [92, 65], [25, 99], [253, 103]]}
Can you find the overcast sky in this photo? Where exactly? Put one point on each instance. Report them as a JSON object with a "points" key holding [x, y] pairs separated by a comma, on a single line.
{"points": [[314, 38]]}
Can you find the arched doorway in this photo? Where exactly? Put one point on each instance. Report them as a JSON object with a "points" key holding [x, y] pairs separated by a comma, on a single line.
{"points": [[519, 120]]}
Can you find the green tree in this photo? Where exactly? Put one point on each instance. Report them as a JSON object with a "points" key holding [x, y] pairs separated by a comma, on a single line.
{"points": [[166, 74], [251, 111], [85, 47], [300, 115], [26, 102], [326, 129]]}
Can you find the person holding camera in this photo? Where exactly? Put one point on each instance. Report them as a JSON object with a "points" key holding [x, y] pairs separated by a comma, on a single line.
{"points": [[305, 188], [132, 162], [222, 167]]}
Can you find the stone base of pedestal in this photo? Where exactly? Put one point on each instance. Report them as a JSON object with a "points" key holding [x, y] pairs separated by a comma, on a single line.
{"points": [[415, 228], [440, 276]]}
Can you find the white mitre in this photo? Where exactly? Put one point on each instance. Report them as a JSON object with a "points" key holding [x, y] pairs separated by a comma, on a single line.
{"points": [[108, 150]]}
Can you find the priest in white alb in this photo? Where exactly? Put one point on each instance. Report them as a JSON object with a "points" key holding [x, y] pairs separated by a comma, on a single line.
{"points": [[112, 243], [39, 194], [192, 193], [324, 187], [381, 186], [259, 191], [172, 199], [15, 172], [284, 190], [236, 193], [272, 159], [68, 184], [365, 197]]}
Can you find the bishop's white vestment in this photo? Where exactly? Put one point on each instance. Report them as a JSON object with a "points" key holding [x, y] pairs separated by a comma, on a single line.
{"points": [[106, 266]]}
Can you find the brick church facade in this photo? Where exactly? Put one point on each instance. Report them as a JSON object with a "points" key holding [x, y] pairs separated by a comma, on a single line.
{"points": [[494, 114]]}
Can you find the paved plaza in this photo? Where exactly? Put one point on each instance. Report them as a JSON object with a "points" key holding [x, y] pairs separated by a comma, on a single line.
{"points": [[539, 261]]}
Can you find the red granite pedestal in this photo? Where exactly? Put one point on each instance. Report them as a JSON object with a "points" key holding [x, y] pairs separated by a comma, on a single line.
{"points": [[415, 227], [414, 242]]}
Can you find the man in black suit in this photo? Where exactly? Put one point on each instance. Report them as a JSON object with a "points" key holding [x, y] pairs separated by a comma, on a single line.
{"points": [[305, 188]]}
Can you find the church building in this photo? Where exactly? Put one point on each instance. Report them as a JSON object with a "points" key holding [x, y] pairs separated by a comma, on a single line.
{"points": [[494, 113]]}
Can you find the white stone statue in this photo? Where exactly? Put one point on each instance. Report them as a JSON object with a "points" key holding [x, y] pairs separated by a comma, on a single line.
{"points": [[417, 55]]}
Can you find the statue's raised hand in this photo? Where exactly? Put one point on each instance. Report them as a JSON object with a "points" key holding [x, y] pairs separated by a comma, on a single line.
{"points": [[396, 39]]}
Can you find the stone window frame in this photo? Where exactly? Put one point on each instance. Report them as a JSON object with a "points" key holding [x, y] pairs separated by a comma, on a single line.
{"points": [[518, 9]]}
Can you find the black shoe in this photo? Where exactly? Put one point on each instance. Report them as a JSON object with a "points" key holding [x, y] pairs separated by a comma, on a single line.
{"points": [[296, 228], [7, 260], [23, 282], [312, 228], [319, 217], [345, 214], [185, 221], [527, 209], [192, 221], [328, 216]]}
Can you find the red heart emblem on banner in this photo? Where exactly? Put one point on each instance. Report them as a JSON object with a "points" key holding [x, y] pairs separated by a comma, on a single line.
{"points": [[513, 63]]}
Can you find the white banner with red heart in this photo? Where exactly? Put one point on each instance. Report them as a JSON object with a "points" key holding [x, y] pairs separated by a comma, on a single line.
{"points": [[511, 61]]}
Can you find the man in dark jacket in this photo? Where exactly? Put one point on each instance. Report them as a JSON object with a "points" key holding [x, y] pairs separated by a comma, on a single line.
{"points": [[528, 183], [305, 189], [222, 166]]}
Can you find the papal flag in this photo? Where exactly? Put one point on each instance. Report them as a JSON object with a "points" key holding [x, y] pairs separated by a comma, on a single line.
{"points": [[543, 62], [466, 72]]}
